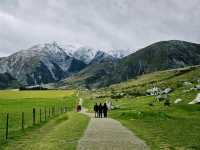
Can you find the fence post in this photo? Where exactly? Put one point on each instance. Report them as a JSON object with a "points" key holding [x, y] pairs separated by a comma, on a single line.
{"points": [[53, 111], [22, 120], [45, 113], [40, 115], [33, 116], [49, 112], [7, 119]]}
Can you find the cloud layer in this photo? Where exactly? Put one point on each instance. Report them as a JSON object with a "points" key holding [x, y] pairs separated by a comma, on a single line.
{"points": [[113, 24]]}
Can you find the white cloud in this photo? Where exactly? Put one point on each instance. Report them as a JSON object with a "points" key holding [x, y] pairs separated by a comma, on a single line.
{"points": [[113, 24]]}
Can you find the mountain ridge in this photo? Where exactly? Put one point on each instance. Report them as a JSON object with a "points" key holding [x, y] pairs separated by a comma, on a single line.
{"points": [[39, 64], [155, 57]]}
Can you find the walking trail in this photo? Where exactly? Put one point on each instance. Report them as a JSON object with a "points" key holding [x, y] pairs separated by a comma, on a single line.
{"points": [[109, 134]]}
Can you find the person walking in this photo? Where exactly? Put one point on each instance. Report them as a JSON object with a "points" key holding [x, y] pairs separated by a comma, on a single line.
{"points": [[96, 110], [105, 110], [100, 110]]}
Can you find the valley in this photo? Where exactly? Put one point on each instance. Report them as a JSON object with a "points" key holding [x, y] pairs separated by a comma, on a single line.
{"points": [[99, 75], [156, 98]]}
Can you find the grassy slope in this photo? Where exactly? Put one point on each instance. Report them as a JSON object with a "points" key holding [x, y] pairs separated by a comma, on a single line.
{"points": [[60, 133], [174, 127]]}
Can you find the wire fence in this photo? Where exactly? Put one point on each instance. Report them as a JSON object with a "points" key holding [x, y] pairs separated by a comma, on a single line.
{"points": [[13, 122]]}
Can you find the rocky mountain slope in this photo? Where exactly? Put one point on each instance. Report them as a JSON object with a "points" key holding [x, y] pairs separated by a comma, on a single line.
{"points": [[159, 56], [6, 80], [40, 64]]}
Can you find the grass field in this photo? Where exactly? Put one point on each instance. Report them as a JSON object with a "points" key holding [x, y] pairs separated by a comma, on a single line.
{"points": [[175, 127], [62, 132], [16, 102]]}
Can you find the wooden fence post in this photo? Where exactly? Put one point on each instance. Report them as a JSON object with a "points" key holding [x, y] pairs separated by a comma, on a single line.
{"points": [[7, 119], [45, 113], [40, 115], [22, 120], [49, 112], [33, 116]]}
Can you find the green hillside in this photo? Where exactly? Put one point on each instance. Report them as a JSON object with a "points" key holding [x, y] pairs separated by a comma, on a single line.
{"points": [[162, 124]]}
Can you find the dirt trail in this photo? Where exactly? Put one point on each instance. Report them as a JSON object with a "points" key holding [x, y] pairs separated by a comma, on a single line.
{"points": [[109, 134]]}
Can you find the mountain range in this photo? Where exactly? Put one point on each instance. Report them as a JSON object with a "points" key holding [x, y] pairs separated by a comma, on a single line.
{"points": [[46, 63], [158, 56], [92, 68]]}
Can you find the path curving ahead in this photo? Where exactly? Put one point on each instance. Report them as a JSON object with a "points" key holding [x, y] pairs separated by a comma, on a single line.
{"points": [[109, 134]]}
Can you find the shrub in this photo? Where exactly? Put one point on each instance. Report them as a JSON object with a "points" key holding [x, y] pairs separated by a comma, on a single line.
{"points": [[167, 102]]}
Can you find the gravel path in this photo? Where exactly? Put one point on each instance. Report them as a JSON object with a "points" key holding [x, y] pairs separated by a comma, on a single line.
{"points": [[109, 134]]}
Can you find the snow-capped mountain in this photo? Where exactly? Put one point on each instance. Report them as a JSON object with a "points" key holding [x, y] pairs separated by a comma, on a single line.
{"points": [[70, 49], [41, 63], [85, 54], [45, 63], [101, 56], [119, 53], [91, 55]]}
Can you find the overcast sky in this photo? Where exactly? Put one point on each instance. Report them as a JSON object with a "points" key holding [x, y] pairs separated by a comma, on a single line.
{"points": [[108, 24]]}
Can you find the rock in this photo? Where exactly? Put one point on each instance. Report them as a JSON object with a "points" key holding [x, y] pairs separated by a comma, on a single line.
{"points": [[186, 91], [153, 91], [196, 100], [198, 80], [161, 97], [198, 87], [177, 101], [186, 83], [167, 91]]}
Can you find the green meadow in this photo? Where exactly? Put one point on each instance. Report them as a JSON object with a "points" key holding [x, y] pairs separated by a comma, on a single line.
{"points": [[16, 102]]}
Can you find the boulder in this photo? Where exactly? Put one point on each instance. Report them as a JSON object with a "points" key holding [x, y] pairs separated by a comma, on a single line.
{"points": [[196, 100], [186, 83], [177, 101], [153, 91], [161, 97], [198, 80], [167, 91], [198, 87]]}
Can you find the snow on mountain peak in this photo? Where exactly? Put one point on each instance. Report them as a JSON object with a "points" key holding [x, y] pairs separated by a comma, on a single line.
{"points": [[119, 53], [85, 54], [78, 51]]}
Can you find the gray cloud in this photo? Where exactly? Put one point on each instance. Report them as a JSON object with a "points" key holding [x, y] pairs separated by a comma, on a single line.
{"points": [[113, 24]]}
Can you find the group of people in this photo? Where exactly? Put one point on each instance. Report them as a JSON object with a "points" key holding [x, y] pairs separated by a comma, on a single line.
{"points": [[100, 110]]}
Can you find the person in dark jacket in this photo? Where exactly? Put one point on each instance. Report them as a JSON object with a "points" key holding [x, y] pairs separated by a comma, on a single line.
{"points": [[100, 110], [105, 110], [96, 109]]}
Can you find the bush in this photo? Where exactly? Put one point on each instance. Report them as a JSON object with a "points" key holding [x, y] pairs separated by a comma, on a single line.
{"points": [[167, 102]]}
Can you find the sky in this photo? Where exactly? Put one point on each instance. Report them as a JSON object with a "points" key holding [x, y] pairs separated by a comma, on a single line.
{"points": [[103, 24]]}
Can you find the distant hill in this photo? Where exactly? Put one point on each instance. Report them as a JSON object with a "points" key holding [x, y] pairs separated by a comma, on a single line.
{"points": [[158, 56]]}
